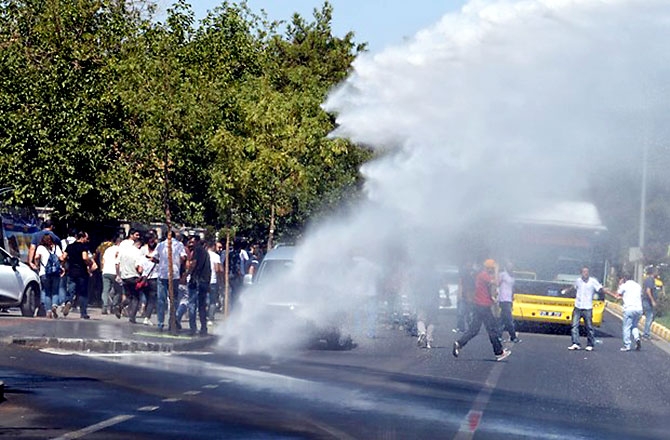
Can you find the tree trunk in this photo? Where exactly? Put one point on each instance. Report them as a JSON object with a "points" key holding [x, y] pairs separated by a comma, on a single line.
{"points": [[226, 276], [272, 227]]}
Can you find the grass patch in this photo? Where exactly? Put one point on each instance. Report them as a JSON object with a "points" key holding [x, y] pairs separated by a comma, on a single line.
{"points": [[663, 320]]}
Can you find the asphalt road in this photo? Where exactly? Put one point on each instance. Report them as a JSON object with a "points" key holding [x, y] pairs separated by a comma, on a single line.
{"points": [[385, 388]]}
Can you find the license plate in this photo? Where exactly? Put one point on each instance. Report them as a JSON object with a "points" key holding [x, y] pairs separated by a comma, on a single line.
{"points": [[556, 314]]}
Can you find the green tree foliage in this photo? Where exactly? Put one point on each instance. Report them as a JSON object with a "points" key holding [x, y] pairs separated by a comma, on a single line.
{"points": [[98, 99], [275, 156]]}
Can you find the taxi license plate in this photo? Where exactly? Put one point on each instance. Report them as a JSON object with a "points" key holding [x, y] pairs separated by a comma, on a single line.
{"points": [[555, 314]]}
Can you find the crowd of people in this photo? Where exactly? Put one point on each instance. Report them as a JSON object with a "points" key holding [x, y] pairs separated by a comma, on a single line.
{"points": [[135, 274]]}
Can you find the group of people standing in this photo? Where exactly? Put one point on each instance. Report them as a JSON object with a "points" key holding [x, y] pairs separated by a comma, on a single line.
{"points": [[48, 255], [135, 275]]}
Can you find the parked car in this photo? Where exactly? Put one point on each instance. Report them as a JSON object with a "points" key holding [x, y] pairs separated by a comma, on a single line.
{"points": [[283, 304], [19, 285]]}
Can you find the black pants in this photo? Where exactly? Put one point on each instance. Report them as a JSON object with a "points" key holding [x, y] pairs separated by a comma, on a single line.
{"points": [[132, 300], [151, 292], [483, 314], [506, 321]]}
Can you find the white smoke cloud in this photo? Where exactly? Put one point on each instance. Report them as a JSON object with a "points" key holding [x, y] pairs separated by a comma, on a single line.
{"points": [[493, 108]]}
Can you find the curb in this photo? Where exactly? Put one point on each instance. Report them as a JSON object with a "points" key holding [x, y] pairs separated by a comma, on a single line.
{"points": [[111, 346], [657, 329]]}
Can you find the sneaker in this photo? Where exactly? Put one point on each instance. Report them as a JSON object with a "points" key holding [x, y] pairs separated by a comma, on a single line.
{"points": [[516, 341], [504, 355], [421, 340], [589, 348], [456, 349], [85, 317], [638, 345], [147, 321], [647, 337], [575, 347], [624, 349], [105, 312], [210, 324], [428, 345], [54, 311], [66, 308]]}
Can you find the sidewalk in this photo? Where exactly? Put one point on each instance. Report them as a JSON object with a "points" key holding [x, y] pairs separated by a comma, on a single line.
{"points": [[657, 329], [101, 333]]}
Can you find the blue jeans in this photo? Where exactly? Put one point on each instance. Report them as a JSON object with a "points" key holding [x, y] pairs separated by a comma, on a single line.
{"points": [[213, 298], [66, 289], [161, 299], [49, 291], [630, 320], [648, 311], [587, 314], [197, 300]]}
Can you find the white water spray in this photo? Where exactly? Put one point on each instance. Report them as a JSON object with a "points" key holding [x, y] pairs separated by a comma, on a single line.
{"points": [[493, 109]]}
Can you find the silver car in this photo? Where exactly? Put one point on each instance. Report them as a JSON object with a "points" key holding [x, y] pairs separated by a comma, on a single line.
{"points": [[19, 285]]}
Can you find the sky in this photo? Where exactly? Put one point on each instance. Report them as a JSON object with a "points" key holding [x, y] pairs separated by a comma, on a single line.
{"points": [[380, 23]]}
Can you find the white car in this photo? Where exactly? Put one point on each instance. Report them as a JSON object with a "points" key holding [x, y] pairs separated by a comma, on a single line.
{"points": [[19, 285]]}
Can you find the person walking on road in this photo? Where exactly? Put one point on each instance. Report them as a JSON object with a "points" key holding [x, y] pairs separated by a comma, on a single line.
{"points": [[485, 288], [178, 259], [200, 274], [130, 269], [649, 298], [585, 288], [505, 300], [80, 268], [48, 258], [631, 293], [110, 276]]}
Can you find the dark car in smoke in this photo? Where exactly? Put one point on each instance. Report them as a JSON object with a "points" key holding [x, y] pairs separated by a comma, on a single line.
{"points": [[280, 303]]}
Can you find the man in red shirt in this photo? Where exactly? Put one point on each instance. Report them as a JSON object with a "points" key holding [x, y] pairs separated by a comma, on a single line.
{"points": [[485, 288]]}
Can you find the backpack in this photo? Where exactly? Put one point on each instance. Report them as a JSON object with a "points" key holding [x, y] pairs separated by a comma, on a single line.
{"points": [[53, 264]]}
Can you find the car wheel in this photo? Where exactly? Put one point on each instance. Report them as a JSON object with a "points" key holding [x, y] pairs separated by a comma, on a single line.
{"points": [[30, 300]]}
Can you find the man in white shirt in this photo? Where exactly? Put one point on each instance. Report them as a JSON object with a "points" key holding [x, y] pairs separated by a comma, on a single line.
{"points": [[110, 276], [217, 271], [130, 269], [631, 292], [585, 288], [178, 259]]}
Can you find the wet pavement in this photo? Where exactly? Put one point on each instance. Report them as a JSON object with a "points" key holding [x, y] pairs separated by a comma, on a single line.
{"points": [[101, 333]]}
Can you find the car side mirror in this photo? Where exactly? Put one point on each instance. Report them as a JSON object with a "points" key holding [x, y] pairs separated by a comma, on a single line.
{"points": [[14, 262]]}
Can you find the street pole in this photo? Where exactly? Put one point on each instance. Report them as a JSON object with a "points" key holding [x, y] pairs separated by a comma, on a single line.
{"points": [[170, 257], [643, 208]]}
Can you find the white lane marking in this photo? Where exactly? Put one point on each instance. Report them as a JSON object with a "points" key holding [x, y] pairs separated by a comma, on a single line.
{"points": [[471, 421], [264, 367], [192, 393], [171, 400], [148, 408], [226, 381], [210, 387], [94, 428]]}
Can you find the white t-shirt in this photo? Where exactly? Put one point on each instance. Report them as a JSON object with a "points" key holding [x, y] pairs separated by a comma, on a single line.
{"points": [[149, 268], [110, 258], [585, 291], [129, 258], [632, 296], [214, 259], [44, 253]]}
